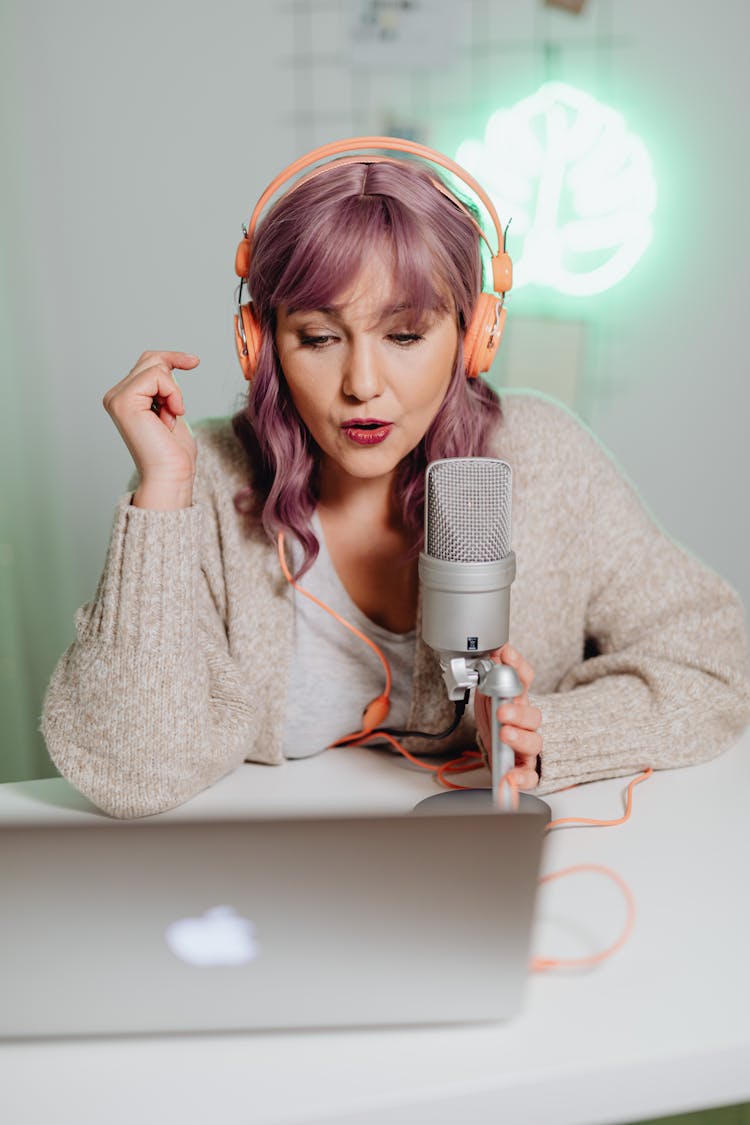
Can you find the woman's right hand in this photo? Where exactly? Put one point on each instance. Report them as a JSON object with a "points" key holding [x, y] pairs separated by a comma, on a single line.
{"points": [[161, 445]]}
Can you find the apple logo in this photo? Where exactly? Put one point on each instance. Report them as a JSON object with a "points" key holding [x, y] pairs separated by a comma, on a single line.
{"points": [[220, 936]]}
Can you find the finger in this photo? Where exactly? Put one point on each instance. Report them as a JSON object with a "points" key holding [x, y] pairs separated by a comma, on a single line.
{"points": [[509, 655], [157, 385], [527, 761], [523, 778], [150, 362], [168, 405], [163, 414], [520, 714], [527, 742], [183, 361], [179, 425]]}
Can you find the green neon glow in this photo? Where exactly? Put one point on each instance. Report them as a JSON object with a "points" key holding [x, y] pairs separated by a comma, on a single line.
{"points": [[577, 184]]}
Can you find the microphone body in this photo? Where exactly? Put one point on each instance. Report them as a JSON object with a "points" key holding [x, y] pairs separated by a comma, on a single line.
{"points": [[466, 570], [465, 606]]}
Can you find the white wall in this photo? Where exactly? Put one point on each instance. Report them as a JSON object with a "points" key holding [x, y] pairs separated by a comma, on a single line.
{"points": [[138, 136]]}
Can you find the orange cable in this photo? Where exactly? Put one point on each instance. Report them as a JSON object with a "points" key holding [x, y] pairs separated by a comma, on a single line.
{"points": [[339, 618], [540, 964], [469, 760], [605, 823]]}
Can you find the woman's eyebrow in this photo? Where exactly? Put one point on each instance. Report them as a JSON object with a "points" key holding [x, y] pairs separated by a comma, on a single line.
{"points": [[391, 310]]}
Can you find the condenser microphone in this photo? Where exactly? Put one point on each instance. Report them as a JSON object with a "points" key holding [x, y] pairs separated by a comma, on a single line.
{"points": [[467, 565], [466, 570]]}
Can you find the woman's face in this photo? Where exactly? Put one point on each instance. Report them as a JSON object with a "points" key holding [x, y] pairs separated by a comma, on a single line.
{"points": [[366, 375]]}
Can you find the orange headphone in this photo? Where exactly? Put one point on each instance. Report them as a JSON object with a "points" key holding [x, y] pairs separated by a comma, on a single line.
{"points": [[482, 336]]}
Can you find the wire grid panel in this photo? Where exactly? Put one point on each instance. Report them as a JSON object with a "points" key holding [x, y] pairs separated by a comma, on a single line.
{"points": [[468, 509]]}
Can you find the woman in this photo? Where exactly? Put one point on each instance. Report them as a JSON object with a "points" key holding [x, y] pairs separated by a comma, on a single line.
{"points": [[196, 654]]}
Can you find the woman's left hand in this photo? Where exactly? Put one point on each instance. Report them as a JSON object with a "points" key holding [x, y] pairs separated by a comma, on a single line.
{"points": [[521, 721]]}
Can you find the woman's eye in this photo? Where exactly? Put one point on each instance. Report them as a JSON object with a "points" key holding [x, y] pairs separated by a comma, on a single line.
{"points": [[315, 341], [405, 338]]}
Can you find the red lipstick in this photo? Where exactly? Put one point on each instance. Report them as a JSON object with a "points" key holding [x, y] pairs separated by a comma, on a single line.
{"points": [[367, 431]]}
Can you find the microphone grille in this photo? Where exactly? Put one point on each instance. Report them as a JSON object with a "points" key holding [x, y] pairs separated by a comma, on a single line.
{"points": [[467, 509]]}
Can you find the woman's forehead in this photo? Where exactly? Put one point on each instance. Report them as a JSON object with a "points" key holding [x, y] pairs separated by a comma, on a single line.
{"points": [[376, 281]]}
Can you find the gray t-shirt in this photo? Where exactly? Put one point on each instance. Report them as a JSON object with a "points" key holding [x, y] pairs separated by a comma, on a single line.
{"points": [[334, 674]]}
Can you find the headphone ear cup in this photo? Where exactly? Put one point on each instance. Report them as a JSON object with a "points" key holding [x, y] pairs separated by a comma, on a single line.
{"points": [[249, 349], [483, 335]]}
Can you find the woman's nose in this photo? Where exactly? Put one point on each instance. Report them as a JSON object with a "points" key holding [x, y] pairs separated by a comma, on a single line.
{"points": [[362, 378]]}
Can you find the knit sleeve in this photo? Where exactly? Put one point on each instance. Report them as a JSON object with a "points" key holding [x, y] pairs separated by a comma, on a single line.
{"points": [[146, 708], [667, 682]]}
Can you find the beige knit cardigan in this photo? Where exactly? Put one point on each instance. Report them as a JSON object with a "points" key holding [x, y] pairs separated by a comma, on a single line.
{"points": [[179, 670]]}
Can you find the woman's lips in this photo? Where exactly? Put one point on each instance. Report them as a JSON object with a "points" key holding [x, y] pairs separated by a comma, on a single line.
{"points": [[367, 431]]}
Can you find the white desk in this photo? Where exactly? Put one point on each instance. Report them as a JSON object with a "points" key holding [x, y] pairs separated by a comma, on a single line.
{"points": [[662, 1027]]}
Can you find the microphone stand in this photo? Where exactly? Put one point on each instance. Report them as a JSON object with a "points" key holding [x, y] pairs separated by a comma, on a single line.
{"points": [[501, 683]]}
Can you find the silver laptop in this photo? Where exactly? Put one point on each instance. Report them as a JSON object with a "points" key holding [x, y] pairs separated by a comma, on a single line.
{"points": [[138, 927]]}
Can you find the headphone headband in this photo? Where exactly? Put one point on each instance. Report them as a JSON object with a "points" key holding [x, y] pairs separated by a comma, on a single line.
{"points": [[502, 278]]}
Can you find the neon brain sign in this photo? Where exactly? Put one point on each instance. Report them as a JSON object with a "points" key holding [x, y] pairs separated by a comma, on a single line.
{"points": [[577, 184]]}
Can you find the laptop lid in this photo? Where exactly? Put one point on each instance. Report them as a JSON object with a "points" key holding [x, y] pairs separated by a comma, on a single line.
{"points": [[138, 927]]}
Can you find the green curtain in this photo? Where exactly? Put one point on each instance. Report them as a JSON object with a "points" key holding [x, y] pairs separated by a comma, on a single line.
{"points": [[36, 592]]}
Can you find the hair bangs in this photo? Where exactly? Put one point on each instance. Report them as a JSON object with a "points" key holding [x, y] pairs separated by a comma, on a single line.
{"points": [[326, 261], [419, 275]]}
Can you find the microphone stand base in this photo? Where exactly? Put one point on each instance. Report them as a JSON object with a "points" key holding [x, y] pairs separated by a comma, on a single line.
{"points": [[478, 800]]}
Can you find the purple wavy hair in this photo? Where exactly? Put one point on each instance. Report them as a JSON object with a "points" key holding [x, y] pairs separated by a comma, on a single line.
{"points": [[307, 251]]}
